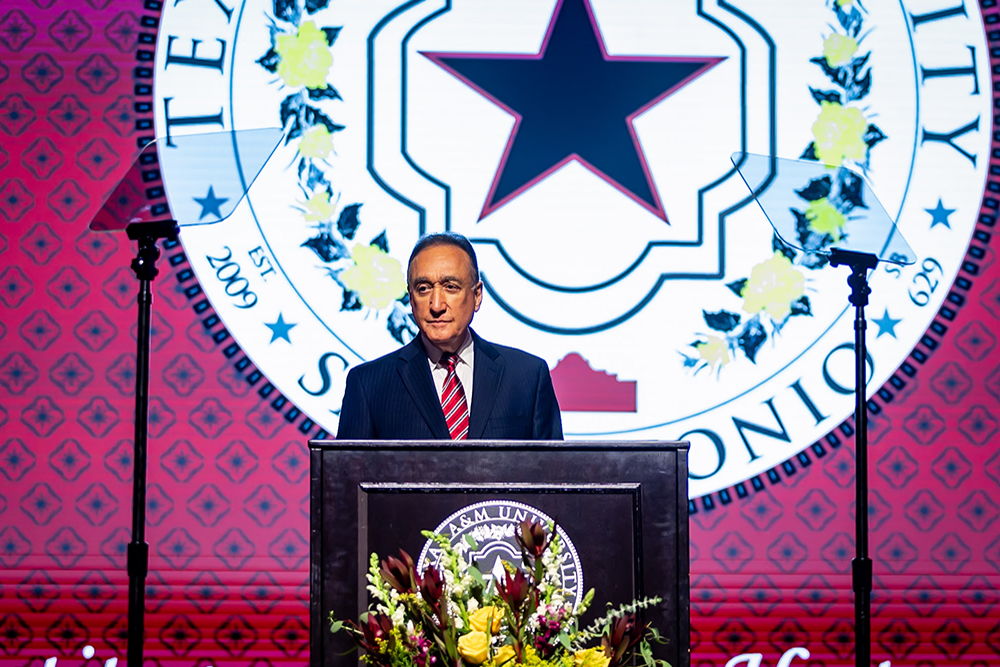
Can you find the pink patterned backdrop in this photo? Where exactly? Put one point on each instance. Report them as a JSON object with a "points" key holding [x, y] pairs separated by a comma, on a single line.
{"points": [[228, 494]]}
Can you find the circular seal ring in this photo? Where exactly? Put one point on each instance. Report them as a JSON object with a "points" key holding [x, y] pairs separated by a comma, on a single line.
{"points": [[492, 524]]}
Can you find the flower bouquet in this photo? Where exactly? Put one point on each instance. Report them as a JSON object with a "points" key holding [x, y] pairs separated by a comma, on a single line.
{"points": [[451, 615]]}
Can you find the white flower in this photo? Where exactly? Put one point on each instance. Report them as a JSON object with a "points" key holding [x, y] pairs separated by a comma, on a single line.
{"points": [[378, 593], [398, 617], [472, 605]]}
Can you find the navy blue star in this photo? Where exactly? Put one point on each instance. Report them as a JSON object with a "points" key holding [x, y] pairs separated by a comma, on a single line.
{"points": [[886, 325], [280, 329], [939, 215], [210, 204], [572, 101]]}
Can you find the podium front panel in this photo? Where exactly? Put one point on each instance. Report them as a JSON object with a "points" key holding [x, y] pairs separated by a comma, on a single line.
{"points": [[622, 508]]}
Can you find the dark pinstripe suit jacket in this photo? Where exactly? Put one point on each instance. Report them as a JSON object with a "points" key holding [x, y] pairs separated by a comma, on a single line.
{"points": [[394, 398]]}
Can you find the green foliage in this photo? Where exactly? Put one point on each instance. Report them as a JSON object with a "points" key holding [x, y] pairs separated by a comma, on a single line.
{"points": [[416, 616]]}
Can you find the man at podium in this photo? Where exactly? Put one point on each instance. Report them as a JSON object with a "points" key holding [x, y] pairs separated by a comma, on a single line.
{"points": [[448, 383]]}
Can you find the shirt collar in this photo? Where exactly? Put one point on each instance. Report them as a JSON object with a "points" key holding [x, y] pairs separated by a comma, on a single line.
{"points": [[464, 352]]}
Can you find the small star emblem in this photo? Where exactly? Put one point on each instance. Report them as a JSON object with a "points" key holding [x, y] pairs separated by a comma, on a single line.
{"points": [[939, 215], [280, 329], [886, 325], [210, 204]]}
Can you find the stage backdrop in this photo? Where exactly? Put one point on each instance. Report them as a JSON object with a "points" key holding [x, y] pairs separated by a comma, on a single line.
{"points": [[584, 147]]}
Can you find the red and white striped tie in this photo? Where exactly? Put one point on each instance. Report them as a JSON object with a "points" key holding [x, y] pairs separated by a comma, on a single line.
{"points": [[456, 410]]}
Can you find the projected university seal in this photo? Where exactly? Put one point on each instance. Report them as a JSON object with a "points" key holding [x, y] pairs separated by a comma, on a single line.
{"points": [[583, 146]]}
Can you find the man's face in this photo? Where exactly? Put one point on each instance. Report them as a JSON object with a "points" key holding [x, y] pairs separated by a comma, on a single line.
{"points": [[442, 295]]}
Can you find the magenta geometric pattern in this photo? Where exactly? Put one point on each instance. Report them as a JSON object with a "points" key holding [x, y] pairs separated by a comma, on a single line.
{"points": [[228, 491]]}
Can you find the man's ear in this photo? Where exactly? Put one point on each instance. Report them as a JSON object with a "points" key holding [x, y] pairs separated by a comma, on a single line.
{"points": [[477, 293]]}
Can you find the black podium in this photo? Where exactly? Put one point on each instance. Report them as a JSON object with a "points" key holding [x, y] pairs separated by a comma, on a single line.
{"points": [[622, 506]]}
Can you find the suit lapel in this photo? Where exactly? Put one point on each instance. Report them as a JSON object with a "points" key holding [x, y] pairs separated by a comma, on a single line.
{"points": [[486, 373], [415, 373]]}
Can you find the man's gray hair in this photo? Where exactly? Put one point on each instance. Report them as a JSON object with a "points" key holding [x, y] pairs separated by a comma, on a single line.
{"points": [[446, 238]]}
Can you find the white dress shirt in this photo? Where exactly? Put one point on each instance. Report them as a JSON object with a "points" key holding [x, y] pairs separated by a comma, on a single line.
{"points": [[463, 366]]}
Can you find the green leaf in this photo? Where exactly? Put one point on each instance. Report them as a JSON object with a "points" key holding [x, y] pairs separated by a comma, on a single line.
{"points": [[269, 61], [381, 241], [752, 339], [331, 34], [780, 246], [287, 10], [723, 320], [327, 92], [646, 652], [818, 188], [873, 135], [837, 74], [737, 286], [825, 95], [471, 542], [350, 301]]}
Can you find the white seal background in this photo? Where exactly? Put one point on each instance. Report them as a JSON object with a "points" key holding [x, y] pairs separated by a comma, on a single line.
{"points": [[577, 230]]}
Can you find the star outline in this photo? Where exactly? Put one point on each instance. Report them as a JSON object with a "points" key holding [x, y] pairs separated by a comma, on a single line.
{"points": [[710, 62]]}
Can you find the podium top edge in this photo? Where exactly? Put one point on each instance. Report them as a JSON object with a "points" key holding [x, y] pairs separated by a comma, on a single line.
{"points": [[508, 445]]}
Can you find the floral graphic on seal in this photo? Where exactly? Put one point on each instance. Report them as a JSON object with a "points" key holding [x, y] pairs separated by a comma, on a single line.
{"points": [[842, 137], [317, 143], [839, 134], [304, 59], [376, 277], [839, 49], [301, 55], [773, 287]]}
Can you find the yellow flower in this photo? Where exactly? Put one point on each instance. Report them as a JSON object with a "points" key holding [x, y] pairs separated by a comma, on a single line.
{"points": [[503, 654], [376, 277], [317, 142], [839, 49], [305, 57], [480, 617], [474, 647], [591, 657], [714, 351], [319, 208], [772, 287], [839, 134], [824, 218]]}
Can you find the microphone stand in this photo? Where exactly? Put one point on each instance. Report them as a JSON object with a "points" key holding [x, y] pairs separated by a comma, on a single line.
{"points": [[861, 567], [144, 266]]}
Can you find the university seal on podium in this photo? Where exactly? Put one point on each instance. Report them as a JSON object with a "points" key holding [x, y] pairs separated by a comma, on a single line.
{"points": [[491, 525]]}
